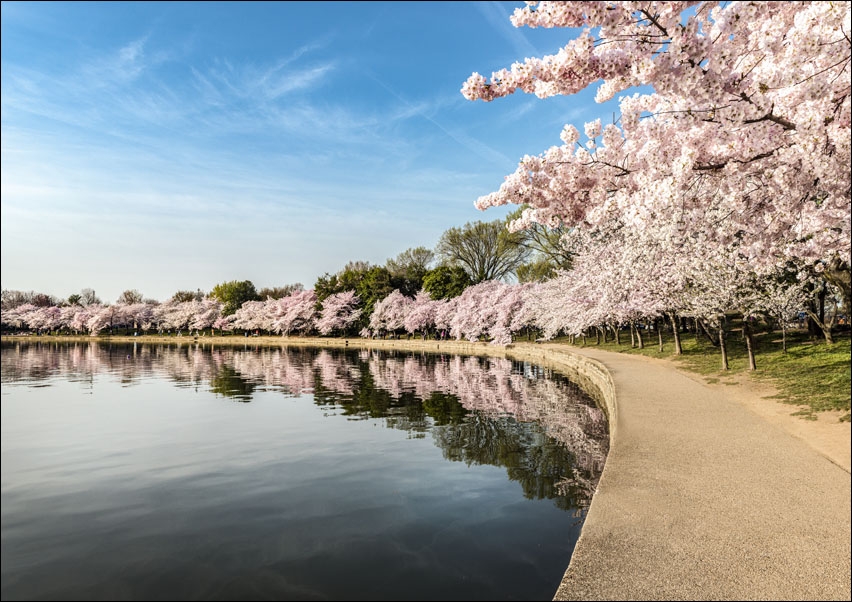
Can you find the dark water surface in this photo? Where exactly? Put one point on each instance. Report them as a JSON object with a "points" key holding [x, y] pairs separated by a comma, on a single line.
{"points": [[133, 472]]}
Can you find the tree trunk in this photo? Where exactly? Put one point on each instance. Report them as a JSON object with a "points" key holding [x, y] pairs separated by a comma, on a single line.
{"points": [[597, 336], [632, 336], [707, 333], [676, 332], [722, 346], [825, 328], [749, 344], [658, 324], [639, 337], [810, 322], [839, 274], [615, 331], [783, 336]]}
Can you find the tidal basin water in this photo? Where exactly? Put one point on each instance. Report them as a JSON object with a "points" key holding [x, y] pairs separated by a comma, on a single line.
{"points": [[135, 472]]}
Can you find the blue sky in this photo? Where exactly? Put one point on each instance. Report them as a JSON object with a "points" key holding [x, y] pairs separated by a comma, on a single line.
{"points": [[172, 146]]}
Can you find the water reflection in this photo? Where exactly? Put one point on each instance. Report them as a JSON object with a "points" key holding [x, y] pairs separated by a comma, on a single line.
{"points": [[189, 472], [230, 383], [548, 435]]}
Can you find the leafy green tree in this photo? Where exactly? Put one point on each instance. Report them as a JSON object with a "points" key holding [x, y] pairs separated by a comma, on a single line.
{"points": [[279, 292], [547, 247], [233, 294], [486, 250], [325, 286], [376, 284], [74, 299], [408, 269], [537, 270], [347, 279], [186, 296], [446, 282], [371, 283]]}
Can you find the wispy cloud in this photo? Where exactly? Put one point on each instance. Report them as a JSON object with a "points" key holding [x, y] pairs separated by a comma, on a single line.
{"points": [[119, 68], [427, 110], [266, 84], [127, 87], [131, 56], [498, 18]]}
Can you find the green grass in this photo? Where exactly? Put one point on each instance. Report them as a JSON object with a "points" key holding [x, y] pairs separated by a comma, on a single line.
{"points": [[813, 375]]}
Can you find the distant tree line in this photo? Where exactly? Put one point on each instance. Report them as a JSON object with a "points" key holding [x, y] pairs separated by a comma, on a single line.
{"points": [[464, 256]]}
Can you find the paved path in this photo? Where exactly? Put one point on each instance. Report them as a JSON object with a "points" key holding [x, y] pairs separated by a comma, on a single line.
{"points": [[702, 499]]}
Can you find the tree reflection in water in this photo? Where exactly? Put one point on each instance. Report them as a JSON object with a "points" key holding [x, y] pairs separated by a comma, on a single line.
{"points": [[229, 383], [548, 435]]}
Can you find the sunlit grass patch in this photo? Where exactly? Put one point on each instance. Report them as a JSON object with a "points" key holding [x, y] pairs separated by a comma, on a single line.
{"points": [[811, 374]]}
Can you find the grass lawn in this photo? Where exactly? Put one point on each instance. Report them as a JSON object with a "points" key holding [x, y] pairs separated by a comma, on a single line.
{"points": [[811, 374]]}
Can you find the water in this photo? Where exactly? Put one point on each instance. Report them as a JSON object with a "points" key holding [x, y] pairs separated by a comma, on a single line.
{"points": [[183, 472]]}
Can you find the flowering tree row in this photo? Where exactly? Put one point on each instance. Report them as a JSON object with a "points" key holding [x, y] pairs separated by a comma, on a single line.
{"points": [[491, 310], [613, 285], [297, 313], [641, 283]]}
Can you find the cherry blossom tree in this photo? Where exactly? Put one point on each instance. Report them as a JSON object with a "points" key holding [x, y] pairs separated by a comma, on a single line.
{"points": [[253, 315], [744, 139], [17, 316], [475, 310], [224, 323], [421, 316], [81, 317], [140, 315], [390, 313], [510, 315], [488, 309], [783, 297], [721, 289], [296, 312], [445, 309], [338, 312], [206, 314], [100, 317], [176, 315], [46, 318]]}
